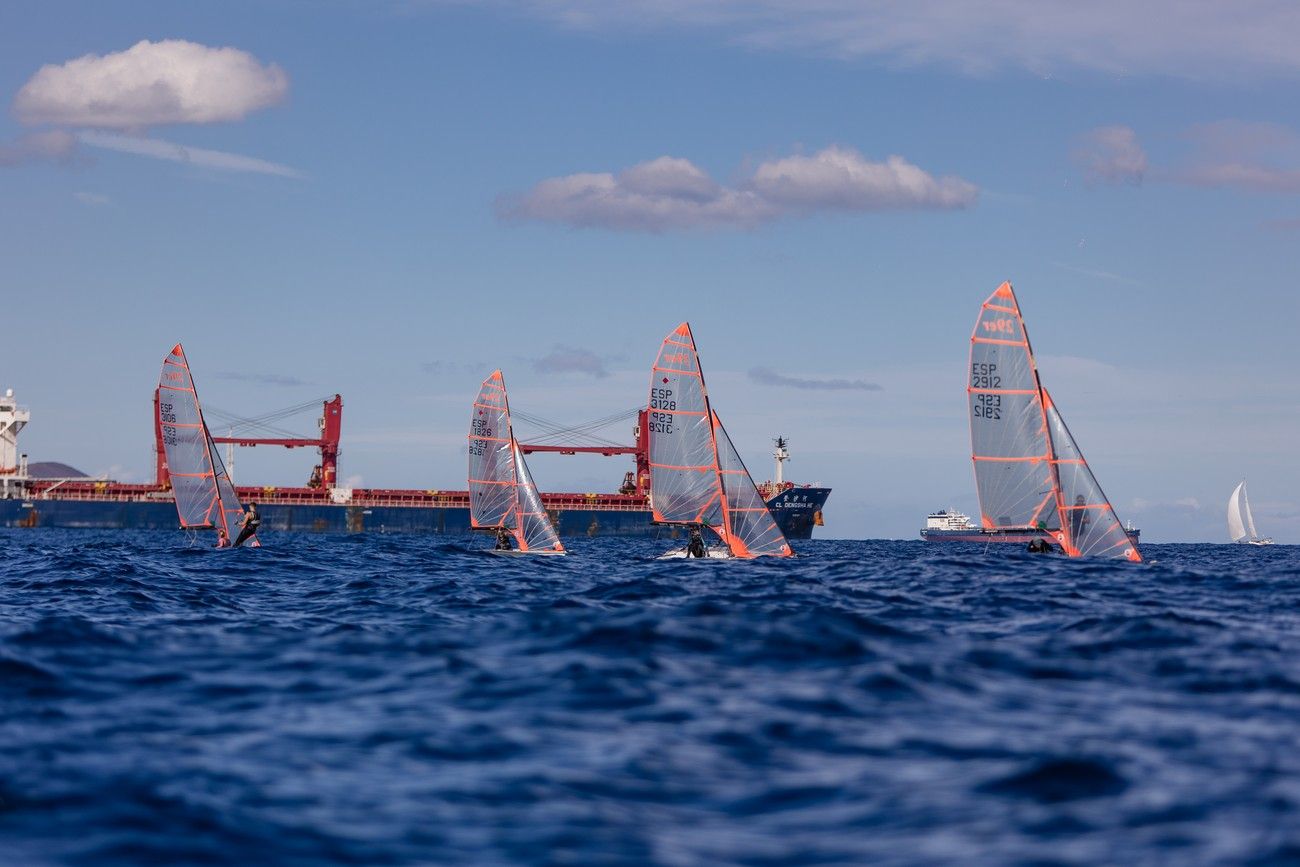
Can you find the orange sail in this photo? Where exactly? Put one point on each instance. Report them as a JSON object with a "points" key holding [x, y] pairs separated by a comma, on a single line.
{"points": [[751, 531], [1029, 472], [501, 490], [205, 496], [696, 476], [1089, 527]]}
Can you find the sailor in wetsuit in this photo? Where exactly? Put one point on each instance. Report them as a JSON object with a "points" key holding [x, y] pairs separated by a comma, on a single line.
{"points": [[503, 539], [252, 521], [1040, 546], [695, 544], [223, 541]]}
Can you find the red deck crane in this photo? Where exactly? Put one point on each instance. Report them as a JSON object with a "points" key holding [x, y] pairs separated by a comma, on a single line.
{"points": [[638, 484]]}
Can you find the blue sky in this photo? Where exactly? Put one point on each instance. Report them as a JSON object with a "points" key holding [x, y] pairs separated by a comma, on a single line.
{"points": [[390, 199]]}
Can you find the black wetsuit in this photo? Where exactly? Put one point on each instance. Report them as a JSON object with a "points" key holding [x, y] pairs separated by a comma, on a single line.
{"points": [[695, 547], [252, 521], [503, 540]]}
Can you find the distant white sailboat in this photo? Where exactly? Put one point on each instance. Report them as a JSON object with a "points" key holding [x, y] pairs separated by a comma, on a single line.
{"points": [[1241, 523]]}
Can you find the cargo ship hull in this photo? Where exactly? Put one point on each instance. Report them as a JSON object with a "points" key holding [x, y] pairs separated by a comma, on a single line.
{"points": [[797, 510]]}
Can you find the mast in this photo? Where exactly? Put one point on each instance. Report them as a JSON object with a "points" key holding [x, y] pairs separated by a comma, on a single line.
{"points": [[782, 454]]}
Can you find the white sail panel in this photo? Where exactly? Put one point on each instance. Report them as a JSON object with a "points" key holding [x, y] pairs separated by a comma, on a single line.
{"points": [[534, 530], [1009, 442], [1250, 516], [187, 446], [1088, 525], [684, 483], [492, 494], [1236, 524], [749, 528]]}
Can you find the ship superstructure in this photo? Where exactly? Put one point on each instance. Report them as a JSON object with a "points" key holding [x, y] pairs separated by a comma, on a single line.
{"points": [[323, 505], [950, 525], [13, 464]]}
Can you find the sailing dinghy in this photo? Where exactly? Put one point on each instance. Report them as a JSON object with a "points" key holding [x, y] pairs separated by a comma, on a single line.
{"points": [[205, 496], [1029, 471], [697, 478], [1241, 522], [501, 490]]}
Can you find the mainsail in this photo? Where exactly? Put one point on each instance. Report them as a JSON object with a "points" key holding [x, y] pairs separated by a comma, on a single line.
{"points": [[696, 476], [1029, 471], [501, 490], [205, 497], [1241, 523]]}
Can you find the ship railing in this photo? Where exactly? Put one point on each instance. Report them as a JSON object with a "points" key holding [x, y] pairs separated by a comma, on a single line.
{"points": [[101, 491]]}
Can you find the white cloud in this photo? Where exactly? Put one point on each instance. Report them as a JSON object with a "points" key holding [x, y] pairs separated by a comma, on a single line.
{"points": [[165, 150], [666, 193], [151, 83], [1194, 39], [569, 359], [840, 178], [1258, 157], [1111, 154], [767, 376], [673, 193], [50, 146]]}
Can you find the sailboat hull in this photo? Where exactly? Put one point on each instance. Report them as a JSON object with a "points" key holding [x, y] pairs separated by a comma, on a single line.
{"points": [[517, 553], [710, 554]]}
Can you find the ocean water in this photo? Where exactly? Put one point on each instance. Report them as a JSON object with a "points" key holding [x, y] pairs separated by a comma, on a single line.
{"points": [[399, 700]]}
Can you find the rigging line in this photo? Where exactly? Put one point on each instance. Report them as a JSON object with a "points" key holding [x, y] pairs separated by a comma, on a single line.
{"points": [[584, 429], [246, 430], [272, 416], [581, 433], [586, 425]]}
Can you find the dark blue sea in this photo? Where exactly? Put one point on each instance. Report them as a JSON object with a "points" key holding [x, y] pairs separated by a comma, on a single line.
{"points": [[402, 700]]}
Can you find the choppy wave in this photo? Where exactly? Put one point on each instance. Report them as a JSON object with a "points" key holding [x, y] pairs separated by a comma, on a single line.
{"points": [[393, 700]]}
